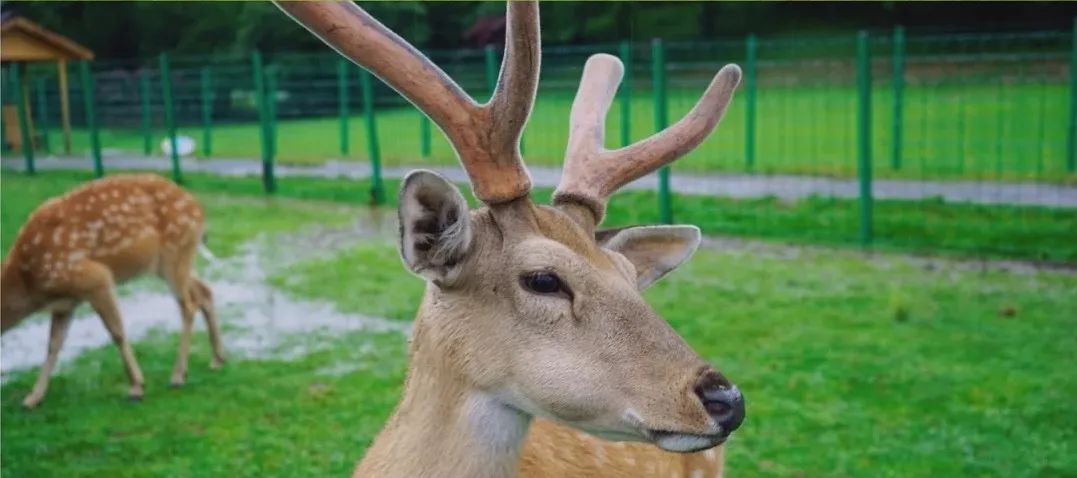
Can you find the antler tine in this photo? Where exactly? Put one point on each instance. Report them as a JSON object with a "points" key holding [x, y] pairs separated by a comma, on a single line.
{"points": [[485, 137], [587, 132], [592, 173], [517, 82]]}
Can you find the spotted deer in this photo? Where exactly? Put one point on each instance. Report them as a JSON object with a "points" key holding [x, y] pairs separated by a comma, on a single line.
{"points": [[532, 318], [76, 248]]}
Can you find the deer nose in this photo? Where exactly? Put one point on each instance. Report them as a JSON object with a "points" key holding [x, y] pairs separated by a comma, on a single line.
{"points": [[723, 402]]}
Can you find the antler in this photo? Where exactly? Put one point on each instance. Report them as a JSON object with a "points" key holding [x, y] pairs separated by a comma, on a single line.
{"points": [[486, 137], [591, 172]]}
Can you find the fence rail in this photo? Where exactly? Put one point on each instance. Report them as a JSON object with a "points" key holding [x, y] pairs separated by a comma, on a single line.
{"points": [[894, 105]]}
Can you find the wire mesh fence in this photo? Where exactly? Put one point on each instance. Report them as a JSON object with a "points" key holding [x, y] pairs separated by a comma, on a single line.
{"points": [[874, 137]]}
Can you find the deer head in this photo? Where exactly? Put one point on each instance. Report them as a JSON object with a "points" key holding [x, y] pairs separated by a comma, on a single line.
{"points": [[529, 305]]}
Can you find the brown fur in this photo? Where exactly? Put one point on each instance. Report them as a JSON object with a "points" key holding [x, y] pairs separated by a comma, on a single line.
{"points": [[77, 247]]}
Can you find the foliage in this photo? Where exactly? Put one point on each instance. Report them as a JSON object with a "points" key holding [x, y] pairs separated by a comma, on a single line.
{"points": [[144, 29]]}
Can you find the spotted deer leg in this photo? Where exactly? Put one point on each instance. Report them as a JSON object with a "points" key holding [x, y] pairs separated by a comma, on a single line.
{"points": [[203, 298], [61, 319], [103, 300]]}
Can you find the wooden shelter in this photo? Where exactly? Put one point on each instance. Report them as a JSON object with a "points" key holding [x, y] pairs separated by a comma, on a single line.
{"points": [[24, 41]]}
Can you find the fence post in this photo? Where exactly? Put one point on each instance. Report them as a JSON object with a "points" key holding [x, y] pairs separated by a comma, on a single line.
{"points": [[207, 112], [269, 183], [863, 82], [1071, 135], [27, 145], [5, 86], [342, 100], [170, 117], [899, 96], [424, 136], [425, 148], [658, 80], [271, 110], [91, 117], [750, 47], [377, 194], [43, 115], [147, 121], [65, 105], [491, 68], [626, 93]]}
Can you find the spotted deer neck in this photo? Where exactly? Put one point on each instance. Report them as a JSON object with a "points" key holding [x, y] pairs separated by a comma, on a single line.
{"points": [[443, 426]]}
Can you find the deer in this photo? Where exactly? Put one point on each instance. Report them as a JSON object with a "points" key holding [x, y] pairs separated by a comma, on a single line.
{"points": [[533, 352], [78, 247]]}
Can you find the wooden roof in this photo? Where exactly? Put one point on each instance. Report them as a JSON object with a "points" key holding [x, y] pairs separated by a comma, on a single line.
{"points": [[24, 40]]}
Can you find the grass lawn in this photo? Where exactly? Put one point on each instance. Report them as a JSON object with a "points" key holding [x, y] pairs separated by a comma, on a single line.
{"points": [[928, 226], [851, 367], [976, 131]]}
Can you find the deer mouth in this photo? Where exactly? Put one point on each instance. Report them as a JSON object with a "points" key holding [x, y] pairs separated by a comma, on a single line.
{"points": [[680, 442], [684, 442]]}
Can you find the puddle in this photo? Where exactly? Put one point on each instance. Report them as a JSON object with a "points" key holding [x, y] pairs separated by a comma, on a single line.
{"points": [[257, 321]]}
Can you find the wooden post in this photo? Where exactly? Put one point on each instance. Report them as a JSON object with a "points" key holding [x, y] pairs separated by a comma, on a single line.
{"points": [[26, 142], [65, 104]]}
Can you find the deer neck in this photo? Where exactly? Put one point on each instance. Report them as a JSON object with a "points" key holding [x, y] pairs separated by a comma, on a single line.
{"points": [[444, 426]]}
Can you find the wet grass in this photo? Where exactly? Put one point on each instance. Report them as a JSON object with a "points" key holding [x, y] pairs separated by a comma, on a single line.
{"points": [[851, 366]]}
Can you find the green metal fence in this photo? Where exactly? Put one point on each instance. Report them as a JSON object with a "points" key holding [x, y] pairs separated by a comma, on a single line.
{"points": [[863, 106]]}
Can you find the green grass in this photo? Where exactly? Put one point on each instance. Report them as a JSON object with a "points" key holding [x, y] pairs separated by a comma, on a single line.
{"points": [[928, 226], [973, 131], [251, 418], [851, 367]]}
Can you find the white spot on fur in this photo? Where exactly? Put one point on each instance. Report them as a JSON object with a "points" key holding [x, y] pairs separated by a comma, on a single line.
{"points": [[709, 454], [697, 473]]}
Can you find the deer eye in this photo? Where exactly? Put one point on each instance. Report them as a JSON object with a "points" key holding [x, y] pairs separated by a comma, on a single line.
{"points": [[542, 283]]}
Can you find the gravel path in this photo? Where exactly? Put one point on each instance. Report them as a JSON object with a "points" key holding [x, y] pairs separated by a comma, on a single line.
{"points": [[785, 187]]}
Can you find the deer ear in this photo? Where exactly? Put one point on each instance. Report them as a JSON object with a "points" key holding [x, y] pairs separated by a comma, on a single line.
{"points": [[654, 250], [435, 227]]}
